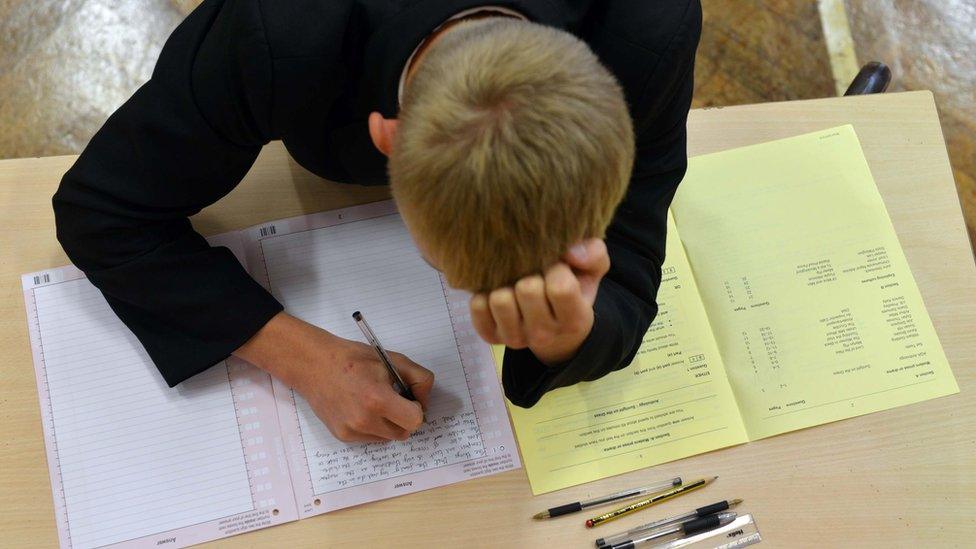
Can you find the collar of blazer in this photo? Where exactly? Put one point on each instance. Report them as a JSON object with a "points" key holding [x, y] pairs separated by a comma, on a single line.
{"points": [[392, 44], [488, 9]]}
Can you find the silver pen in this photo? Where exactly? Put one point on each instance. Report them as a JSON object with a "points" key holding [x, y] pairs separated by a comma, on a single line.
{"points": [[618, 496]]}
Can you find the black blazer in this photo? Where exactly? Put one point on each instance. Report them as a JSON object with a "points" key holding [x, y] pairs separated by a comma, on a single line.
{"points": [[237, 74]]}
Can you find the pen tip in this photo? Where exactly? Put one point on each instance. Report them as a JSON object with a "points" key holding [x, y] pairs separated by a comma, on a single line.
{"points": [[357, 315], [714, 478], [540, 516], [735, 502]]}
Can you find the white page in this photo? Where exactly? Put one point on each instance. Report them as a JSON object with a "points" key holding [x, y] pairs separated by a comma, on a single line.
{"points": [[324, 267], [131, 459]]}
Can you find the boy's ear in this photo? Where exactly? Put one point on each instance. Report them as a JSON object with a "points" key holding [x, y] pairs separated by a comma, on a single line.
{"points": [[382, 131]]}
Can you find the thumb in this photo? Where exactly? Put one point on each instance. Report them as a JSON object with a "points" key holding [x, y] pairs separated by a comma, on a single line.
{"points": [[589, 260], [419, 379], [589, 256]]}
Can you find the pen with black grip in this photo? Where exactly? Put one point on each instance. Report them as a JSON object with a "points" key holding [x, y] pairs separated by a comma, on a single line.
{"points": [[617, 496], [402, 388], [716, 507], [684, 529]]}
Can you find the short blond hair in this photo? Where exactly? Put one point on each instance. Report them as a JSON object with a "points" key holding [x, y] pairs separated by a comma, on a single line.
{"points": [[514, 143]]}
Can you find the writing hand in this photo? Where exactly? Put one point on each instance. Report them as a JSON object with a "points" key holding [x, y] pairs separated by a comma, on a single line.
{"points": [[550, 314], [344, 381]]}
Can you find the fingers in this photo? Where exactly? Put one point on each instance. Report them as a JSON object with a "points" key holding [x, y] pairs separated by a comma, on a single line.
{"points": [[536, 311], [419, 379], [389, 415], [386, 414], [483, 322], [382, 416], [547, 313], [504, 308], [406, 415], [539, 321], [346, 433], [382, 430], [590, 262], [564, 295], [589, 256], [354, 436], [387, 430]]}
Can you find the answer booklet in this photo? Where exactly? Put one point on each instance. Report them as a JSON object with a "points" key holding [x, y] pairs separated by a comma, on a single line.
{"points": [[138, 464]]}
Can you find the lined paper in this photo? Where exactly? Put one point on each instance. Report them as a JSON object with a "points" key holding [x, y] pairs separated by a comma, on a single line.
{"points": [[325, 266], [322, 276], [135, 457], [134, 463]]}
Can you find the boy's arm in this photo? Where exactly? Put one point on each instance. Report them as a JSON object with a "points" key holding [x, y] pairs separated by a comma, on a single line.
{"points": [[180, 143], [625, 304]]}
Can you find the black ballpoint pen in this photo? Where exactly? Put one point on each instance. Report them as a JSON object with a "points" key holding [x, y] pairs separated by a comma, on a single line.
{"points": [[636, 532], [681, 530], [401, 387]]}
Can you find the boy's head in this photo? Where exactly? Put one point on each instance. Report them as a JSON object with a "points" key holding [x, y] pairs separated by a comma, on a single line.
{"points": [[513, 143]]}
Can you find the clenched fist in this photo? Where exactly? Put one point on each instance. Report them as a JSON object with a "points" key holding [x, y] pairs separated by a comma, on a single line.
{"points": [[550, 314]]}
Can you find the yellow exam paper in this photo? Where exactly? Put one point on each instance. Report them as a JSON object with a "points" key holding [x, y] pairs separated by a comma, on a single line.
{"points": [[810, 297], [673, 401]]}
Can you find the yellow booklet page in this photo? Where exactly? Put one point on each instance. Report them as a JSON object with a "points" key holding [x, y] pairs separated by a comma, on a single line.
{"points": [[673, 401], [812, 303], [811, 307]]}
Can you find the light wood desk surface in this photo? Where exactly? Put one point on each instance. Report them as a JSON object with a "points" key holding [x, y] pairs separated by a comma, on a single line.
{"points": [[904, 477]]}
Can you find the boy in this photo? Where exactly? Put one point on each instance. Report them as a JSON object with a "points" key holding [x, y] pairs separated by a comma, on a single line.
{"points": [[510, 146]]}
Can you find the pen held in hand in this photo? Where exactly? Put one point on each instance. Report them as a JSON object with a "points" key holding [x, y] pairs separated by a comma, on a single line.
{"points": [[401, 387], [645, 503]]}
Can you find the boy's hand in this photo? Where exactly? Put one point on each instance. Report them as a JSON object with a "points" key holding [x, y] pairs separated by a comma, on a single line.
{"points": [[551, 314], [352, 393], [344, 381]]}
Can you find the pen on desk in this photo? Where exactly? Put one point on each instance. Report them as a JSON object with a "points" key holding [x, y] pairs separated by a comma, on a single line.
{"points": [[626, 494], [681, 530], [371, 338], [697, 513], [645, 503]]}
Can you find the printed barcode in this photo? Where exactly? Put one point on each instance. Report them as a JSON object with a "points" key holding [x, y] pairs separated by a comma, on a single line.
{"points": [[44, 278], [268, 231]]}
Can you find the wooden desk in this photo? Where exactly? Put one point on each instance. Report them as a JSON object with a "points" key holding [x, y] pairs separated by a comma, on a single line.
{"points": [[903, 477]]}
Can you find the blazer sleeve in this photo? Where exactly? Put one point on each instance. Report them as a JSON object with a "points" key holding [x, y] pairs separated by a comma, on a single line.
{"points": [[182, 141], [626, 303]]}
